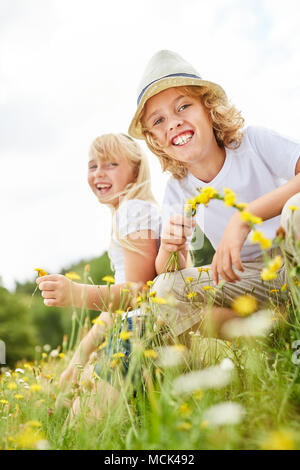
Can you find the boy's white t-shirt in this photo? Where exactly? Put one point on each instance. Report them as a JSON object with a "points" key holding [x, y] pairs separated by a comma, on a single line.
{"points": [[133, 215], [254, 169]]}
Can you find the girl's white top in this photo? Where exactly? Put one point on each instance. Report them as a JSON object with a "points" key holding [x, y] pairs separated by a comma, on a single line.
{"points": [[133, 215], [261, 163]]}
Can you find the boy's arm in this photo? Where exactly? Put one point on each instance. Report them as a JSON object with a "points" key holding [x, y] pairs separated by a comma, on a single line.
{"points": [[267, 206], [163, 256], [173, 239]]}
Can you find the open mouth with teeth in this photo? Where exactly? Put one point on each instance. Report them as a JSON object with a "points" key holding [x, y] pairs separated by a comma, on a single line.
{"points": [[103, 188], [182, 139]]}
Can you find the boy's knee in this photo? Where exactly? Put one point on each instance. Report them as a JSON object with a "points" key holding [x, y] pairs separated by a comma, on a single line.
{"points": [[164, 283], [290, 219]]}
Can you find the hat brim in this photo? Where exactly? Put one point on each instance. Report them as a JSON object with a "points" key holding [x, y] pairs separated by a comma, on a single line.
{"points": [[135, 128]]}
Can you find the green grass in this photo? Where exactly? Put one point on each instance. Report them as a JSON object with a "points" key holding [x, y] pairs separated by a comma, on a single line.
{"points": [[152, 411]]}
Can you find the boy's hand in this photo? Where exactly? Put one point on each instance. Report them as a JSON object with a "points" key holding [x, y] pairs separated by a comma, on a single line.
{"points": [[176, 231], [228, 252], [59, 291]]}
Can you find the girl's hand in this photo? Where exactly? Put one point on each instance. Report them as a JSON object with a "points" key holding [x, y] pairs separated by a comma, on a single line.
{"points": [[59, 291], [176, 231], [229, 251]]}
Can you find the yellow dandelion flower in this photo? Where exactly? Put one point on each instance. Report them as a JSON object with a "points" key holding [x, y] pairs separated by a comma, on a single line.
{"points": [[150, 283], [125, 290], [275, 264], [158, 300], [258, 237], [248, 217], [41, 272], [150, 353], [108, 279], [124, 335], [4, 402], [293, 208], [152, 294], [205, 270], [119, 312], [204, 196], [99, 322], [209, 288], [189, 279], [283, 287], [191, 295], [279, 440], [267, 275], [118, 355], [11, 386], [44, 355], [185, 410], [185, 426], [229, 198], [61, 355], [29, 439], [35, 387], [28, 366], [114, 363], [18, 396], [102, 346], [200, 270], [244, 305], [273, 291], [73, 276]]}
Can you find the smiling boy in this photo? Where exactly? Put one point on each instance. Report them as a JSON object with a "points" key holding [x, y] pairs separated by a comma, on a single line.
{"points": [[199, 138]]}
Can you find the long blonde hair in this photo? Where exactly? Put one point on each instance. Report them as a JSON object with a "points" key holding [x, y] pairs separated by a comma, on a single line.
{"points": [[227, 124], [114, 147]]}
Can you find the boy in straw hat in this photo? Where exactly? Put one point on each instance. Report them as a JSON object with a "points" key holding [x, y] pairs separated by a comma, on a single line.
{"points": [[199, 138]]}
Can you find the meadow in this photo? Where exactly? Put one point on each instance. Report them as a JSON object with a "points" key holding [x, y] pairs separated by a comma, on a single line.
{"points": [[242, 392]]}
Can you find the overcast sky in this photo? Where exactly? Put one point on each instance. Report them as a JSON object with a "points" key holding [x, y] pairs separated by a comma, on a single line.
{"points": [[69, 71]]}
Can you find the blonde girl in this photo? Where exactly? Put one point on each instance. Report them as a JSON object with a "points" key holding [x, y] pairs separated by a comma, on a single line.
{"points": [[118, 175]]}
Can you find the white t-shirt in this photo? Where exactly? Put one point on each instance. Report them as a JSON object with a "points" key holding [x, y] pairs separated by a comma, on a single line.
{"points": [[132, 216], [255, 168]]}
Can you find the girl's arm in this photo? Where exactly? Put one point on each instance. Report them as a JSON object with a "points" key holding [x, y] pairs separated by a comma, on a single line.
{"points": [[60, 291], [140, 264], [267, 206]]}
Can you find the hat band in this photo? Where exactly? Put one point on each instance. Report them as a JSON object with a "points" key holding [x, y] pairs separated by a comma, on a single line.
{"points": [[189, 75]]}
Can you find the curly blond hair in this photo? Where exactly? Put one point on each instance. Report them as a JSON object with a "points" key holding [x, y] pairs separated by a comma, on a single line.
{"points": [[227, 123]]}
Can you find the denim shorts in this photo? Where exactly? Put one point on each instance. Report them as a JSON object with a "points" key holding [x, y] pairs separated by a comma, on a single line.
{"points": [[116, 345]]}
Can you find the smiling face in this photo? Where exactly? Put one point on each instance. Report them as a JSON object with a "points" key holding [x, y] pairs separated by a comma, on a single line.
{"points": [[181, 125], [108, 178]]}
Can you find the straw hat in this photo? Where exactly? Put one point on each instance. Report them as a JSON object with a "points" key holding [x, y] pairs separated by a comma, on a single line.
{"points": [[166, 69]]}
